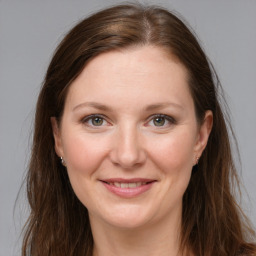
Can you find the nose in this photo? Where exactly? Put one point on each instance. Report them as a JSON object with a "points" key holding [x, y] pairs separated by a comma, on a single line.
{"points": [[127, 149]]}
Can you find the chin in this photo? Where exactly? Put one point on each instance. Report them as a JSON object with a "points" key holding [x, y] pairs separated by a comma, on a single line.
{"points": [[127, 217], [128, 223]]}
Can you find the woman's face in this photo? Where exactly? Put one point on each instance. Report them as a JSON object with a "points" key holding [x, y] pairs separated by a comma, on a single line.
{"points": [[130, 138]]}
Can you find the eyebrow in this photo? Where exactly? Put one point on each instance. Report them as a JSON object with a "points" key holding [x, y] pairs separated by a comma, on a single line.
{"points": [[151, 107], [163, 105], [93, 105]]}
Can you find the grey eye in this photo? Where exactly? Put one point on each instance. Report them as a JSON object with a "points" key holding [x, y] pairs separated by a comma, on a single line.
{"points": [[97, 121], [159, 121]]}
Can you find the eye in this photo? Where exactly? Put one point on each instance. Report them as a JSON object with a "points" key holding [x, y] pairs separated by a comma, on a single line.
{"points": [[95, 120], [161, 120]]}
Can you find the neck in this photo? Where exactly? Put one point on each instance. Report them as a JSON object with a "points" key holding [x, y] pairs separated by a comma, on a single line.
{"points": [[153, 239]]}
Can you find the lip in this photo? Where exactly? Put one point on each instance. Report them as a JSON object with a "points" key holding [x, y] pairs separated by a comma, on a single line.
{"points": [[128, 192], [122, 180]]}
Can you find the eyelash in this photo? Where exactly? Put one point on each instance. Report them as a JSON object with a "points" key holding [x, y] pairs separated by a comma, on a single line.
{"points": [[167, 118], [90, 117]]}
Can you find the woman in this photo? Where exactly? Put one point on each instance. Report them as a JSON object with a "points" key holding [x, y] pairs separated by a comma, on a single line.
{"points": [[131, 153]]}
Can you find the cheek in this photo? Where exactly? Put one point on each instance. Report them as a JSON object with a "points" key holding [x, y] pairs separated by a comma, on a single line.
{"points": [[174, 152], [84, 153]]}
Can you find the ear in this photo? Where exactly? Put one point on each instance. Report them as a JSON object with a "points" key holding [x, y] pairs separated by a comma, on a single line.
{"points": [[203, 135], [57, 137]]}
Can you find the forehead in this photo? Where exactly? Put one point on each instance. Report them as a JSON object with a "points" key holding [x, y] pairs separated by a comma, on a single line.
{"points": [[143, 74], [138, 60]]}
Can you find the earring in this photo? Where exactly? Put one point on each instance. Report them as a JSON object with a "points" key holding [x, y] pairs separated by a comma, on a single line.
{"points": [[62, 161], [197, 159]]}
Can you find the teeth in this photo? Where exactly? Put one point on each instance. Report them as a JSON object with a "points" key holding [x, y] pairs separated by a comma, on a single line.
{"points": [[132, 185], [124, 185], [127, 185], [117, 184]]}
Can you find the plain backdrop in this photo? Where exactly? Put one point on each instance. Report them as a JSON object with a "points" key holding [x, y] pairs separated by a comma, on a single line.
{"points": [[29, 33]]}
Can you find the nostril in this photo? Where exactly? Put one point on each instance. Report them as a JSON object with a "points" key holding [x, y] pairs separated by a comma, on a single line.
{"points": [[127, 153]]}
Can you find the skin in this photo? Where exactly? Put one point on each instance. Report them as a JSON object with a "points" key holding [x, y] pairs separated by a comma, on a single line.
{"points": [[130, 143]]}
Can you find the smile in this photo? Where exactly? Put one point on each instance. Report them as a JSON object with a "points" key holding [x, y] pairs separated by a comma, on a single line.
{"points": [[128, 188], [127, 185]]}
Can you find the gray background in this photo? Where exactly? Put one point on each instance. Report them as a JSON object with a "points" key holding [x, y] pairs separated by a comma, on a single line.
{"points": [[30, 31]]}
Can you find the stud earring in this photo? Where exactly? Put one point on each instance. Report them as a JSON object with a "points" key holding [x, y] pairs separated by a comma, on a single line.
{"points": [[62, 161], [197, 159]]}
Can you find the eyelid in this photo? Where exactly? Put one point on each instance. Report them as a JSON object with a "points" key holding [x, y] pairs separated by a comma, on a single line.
{"points": [[170, 119], [87, 118]]}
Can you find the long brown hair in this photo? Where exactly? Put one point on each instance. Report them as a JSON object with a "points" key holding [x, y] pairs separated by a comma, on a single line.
{"points": [[212, 221]]}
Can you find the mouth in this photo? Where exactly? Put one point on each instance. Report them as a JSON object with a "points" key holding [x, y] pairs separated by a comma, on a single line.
{"points": [[127, 184], [128, 188]]}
